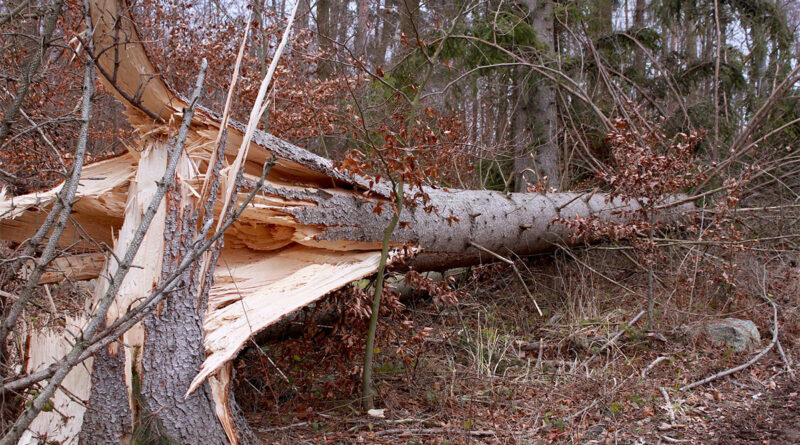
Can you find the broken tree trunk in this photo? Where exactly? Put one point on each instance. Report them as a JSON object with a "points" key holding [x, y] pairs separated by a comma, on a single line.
{"points": [[309, 230]]}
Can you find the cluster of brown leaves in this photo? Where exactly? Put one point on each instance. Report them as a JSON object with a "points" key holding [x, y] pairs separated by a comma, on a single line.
{"points": [[442, 291], [646, 167], [43, 135], [303, 105], [417, 153]]}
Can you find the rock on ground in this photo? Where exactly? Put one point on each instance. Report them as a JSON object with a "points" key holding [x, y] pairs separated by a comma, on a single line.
{"points": [[740, 334]]}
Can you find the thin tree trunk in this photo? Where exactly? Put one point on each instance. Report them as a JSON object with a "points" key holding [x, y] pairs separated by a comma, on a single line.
{"points": [[324, 38], [537, 154], [362, 28], [387, 31], [638, 24], [303, 11]]}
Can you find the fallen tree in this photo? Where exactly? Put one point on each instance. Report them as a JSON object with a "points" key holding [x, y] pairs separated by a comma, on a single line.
{"points": [[303, 229]]}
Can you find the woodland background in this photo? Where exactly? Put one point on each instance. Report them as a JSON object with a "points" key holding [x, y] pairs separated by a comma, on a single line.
{"points": [[636, 97]]}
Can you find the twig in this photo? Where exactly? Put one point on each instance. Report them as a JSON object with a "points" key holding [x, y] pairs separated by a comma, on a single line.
{"points": [[651, 365], [516, 272], [435, 431], [668, 406], [53, 310], [281, 428], [673, 440], [615, 337], [786, 360], [13, 12], [602, 275]]}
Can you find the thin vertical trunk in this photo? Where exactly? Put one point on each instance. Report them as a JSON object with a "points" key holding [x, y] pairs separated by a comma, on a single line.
{"points": [[303, 11], [387, 31], [537, 155], [324, 38], [638, 24], [473, 129], [362, 28], [501, 122]]}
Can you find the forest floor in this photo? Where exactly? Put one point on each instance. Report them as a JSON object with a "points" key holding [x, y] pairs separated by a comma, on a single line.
{"points": [[489, 369]]}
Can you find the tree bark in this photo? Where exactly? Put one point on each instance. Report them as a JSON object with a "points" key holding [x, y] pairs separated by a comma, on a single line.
{"points": [[324, 38], [362, 28], [537, 154], [638, 24]]}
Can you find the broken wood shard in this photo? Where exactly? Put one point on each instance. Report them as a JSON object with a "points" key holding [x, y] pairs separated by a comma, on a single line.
{"points": [[62, 422], [255, 289], [69, 268]]}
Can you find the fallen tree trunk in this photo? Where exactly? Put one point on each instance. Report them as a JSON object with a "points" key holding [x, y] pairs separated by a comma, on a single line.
{"points": [[309, 230]]}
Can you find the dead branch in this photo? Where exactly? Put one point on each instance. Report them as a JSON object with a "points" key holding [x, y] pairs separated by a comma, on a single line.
{"points": [[749, 362]]}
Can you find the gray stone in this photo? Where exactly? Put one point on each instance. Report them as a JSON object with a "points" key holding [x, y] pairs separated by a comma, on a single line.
{"points": [[740, 334]]}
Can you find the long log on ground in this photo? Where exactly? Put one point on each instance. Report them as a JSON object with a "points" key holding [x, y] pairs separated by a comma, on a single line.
{"points": [[311, 229]]}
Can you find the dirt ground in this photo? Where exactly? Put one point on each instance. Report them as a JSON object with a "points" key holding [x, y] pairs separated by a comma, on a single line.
{"points": [[489, 369]]}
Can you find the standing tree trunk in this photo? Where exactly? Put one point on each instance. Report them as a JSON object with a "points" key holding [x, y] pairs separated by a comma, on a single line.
{"points": [[639, 59], [537, 153], [387, 31], [324, 38], [303, 11], [362, 28]]}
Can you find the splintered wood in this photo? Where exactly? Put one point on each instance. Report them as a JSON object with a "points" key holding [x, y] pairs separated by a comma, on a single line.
{"points": [[255, 289], [62, 422]]}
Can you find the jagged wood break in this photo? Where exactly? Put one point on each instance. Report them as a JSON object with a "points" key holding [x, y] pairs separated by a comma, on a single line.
{"points": [[310, 230]]}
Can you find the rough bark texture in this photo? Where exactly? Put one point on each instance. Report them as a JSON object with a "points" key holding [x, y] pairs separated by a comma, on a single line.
{"points": [[108, 415], [535, 115], [173, 350], [519, 223]]}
